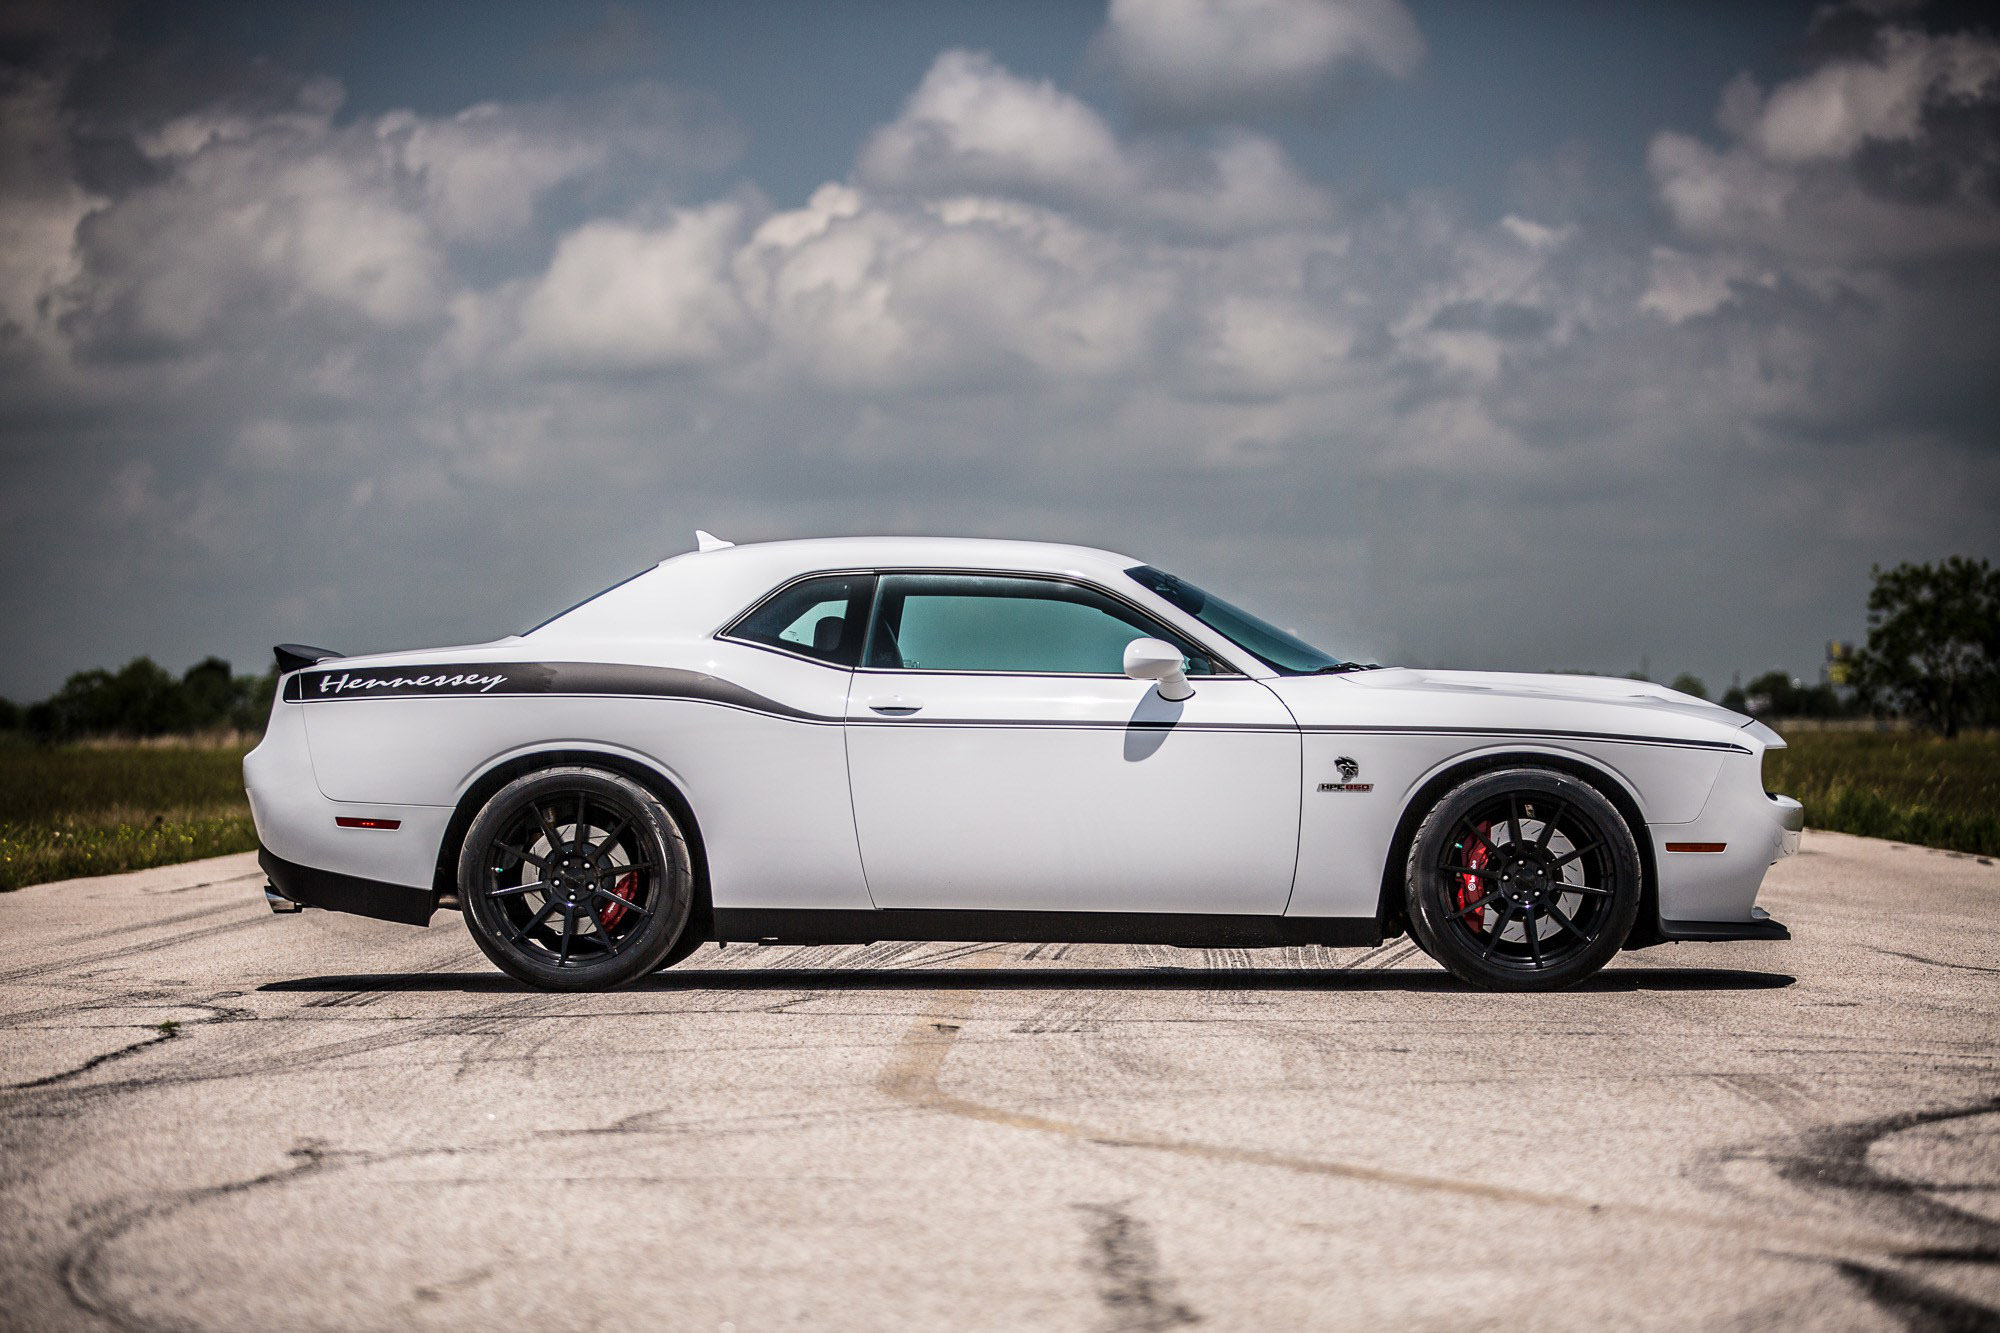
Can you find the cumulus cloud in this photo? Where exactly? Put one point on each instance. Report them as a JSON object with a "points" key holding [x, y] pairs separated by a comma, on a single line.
{"points": [[41, 203], [261, 359], [486, 169], [972, 126], [1837, 251], [863, 292], [1231, 59], [1882, 154], [1831, 112], [275, 214], [1684, 286], [623, 297]]}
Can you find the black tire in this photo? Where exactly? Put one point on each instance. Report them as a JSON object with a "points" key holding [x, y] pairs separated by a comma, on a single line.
{"points": [[690, 940], [575, 879], [1522, 879]]}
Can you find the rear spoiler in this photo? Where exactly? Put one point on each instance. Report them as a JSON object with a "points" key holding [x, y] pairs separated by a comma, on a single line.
{"points": [[292, 656]]}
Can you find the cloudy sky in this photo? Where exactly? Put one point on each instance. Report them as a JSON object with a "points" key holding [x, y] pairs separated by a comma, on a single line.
{"points": [[1537, 336]]}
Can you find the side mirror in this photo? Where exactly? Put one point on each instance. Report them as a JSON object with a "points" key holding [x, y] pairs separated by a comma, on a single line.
{"points": [[1157, 660]]}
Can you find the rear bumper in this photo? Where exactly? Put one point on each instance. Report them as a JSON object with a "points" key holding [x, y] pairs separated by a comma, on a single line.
{"points": [[1791, 823], [311, 887]]}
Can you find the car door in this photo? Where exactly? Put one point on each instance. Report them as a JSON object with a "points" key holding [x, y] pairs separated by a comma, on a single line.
{"points": [[1001, 760]]}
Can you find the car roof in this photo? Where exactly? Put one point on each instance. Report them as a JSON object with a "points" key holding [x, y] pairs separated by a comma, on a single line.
{"points": [[810, 553], [697, 592]]}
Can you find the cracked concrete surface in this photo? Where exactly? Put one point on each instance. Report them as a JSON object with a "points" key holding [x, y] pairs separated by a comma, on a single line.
{"points": [[217, 1118]]}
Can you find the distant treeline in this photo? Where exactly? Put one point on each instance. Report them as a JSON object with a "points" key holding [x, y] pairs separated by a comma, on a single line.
{"points": [[1773, 694], [1932, 657], [143, 698]]}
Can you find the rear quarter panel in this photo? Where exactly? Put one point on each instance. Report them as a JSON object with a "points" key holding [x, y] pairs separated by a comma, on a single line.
{"points": [[768, 792]]}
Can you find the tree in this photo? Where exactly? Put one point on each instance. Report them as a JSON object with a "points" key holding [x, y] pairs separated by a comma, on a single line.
{"points": [[1776, 694], [142, 698], [139, 699], [1933, 651], [208, 692], [1689, 683], [253, 699]]}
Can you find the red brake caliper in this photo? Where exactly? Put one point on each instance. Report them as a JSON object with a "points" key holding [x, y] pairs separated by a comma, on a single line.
{"points": [[627, 888], [1470, 887]]}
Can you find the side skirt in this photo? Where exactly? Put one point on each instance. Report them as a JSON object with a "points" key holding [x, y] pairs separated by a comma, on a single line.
{"points": [[1183, 930], [347, 893]]}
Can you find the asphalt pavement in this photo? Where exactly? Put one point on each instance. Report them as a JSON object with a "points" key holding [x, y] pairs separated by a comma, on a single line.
{"points": [[214, 1117]]}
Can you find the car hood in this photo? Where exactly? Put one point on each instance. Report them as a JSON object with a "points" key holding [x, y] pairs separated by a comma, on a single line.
{"points": [[1511, 701]]}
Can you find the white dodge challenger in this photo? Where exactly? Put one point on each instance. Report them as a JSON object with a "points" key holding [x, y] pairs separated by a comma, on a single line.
{"points": [[855, 739]]}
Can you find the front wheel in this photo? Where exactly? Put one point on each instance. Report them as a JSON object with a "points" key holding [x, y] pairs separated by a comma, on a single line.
{"points": [[575, 879], [1523, 879]]}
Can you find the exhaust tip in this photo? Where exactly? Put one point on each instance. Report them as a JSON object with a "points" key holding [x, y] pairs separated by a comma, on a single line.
{"points": [[278, 901]]}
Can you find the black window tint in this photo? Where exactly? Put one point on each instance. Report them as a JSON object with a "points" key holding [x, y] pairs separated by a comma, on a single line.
{"points": [[963, 622], [819, 618]]}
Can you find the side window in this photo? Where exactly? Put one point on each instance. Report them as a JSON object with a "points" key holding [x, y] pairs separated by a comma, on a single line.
{"points": [[959, 622], [821, 618]]}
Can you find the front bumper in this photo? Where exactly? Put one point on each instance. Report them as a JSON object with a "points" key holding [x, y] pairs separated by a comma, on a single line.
{"points": [[1711, 868]]}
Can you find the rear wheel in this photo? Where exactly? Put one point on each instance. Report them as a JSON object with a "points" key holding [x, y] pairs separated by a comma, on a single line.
{"points": [[1523, 879], [690, 940], [575, 879]]}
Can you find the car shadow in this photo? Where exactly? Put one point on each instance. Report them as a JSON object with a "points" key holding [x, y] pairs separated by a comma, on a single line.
{"points": [[1054, 978]]}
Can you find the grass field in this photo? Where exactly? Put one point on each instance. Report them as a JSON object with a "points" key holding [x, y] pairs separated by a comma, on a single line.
{"points": [[93, 810], [1900, 785]]}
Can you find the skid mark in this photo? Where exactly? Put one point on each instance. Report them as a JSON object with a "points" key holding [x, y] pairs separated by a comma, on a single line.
{"points": [[165, 1032], [150, 946], [82, 1271], [67, 1099], [1126, 1263], [912, 1076], [158, 922], [206, 884], [1936, 962], [157, 1033], [349, 999], [1835, 1162], [1922, 1307], [438, 1291]]}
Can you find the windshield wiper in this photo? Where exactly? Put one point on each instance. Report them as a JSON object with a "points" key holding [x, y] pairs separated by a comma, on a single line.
{"points": [[1340, 668]]}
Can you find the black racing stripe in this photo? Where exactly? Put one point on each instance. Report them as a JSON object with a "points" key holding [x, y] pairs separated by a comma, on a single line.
{"points": [[460, 680], [553, 679], [1529, 733]]}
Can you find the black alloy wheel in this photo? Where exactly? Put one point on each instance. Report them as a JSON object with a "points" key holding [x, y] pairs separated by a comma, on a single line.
{"points": [[576, 878], [1523, 879]]}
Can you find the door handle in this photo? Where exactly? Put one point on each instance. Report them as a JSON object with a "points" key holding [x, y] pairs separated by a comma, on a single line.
{"points": [[894, 705]]}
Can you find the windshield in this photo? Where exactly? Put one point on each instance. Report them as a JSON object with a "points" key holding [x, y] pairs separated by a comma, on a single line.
{"points": [[1287, 653]]}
